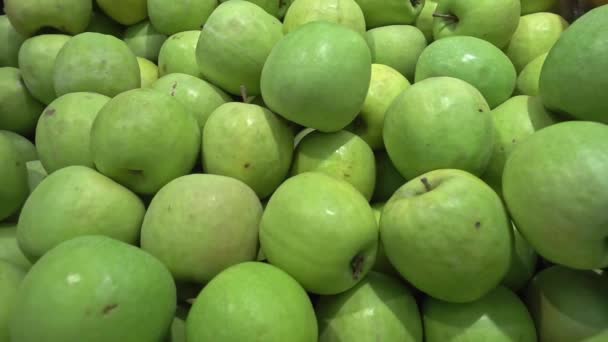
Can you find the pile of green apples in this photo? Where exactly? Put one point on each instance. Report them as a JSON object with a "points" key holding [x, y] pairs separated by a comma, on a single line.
{"points": [[304, 170]]}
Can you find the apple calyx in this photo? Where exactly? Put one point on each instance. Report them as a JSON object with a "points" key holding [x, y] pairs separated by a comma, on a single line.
{"points": [[449, 17], [426, 184], [356, 264]]}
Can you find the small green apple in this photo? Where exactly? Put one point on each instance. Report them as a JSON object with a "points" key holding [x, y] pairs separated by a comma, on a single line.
{"points": [[473, 60], [424, 22], [101, 23], [529, 77], [249, 143], [523, 263], [95, 62], [329, 68], [115, 291], [171, 17], [448, 234], [343, 12], [554, 187], [260, 299], [398, 46], [13, 179], [26, 151], [144, 40], [273, 7], [440, 122], [63, 130], [382, 264], [234, 44], [321, 231], [19, 110], [125, 12], [144, 139], [9, 248], [390, 12], [10, 43], [388, 179], [499, 316], [11, 277], [30, 16], [148, 72], [178, 54], [491, 20], [534, 6]]}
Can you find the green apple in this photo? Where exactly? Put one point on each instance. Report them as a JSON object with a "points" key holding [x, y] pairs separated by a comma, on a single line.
{"points": [[143, 139], [178, 54], [95, 62], [534, 6], [249, 143], [523, 263], [234, 44], [171, 17], [26, 151], [115, 291], [329, 71], [388, 179], [535, 35], [35, 174], [261, 300], [9, 248], [382, 264], [13, 179], [62, 133], [11, 277], [37, 61], [448, 234], [144, 40], [424, 22], [101, 23], [553, 184], [529, 77], [491, 20], [499, 316], [390, 12], [125, 12], [283, 7], [567, 87], [178, 327], [19, 110], [10, 43], [473, 60], [514, 121], [29, 17], [198, 96], [273, 7], [321, 231], [439, 123], [569, 305], [397, 46], [199, 224], [148, 72], [342, 155], [343, 12]]}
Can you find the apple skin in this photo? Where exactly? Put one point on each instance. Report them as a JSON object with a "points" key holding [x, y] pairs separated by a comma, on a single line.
{"points": [[101, 23], [523, 263], [424, 22], [143, 139], [563, 217], [13, 179], [9, 248], [342, 155], [234, 44], [472, 60], [397, 46], [171, 17], [63, 130], [499, 316], [125, 12], [382, 264], [327, 245], [478, 18], [567, 88], [11, 277], [35, 174], [10, 43], [529, 77], [390, 12], [343, 12], [19, 110], [30, 16], [148, 72], [535, 35], [454, 241], [534, 6], [440, 122], [106, 278], [178, 54], [388, 178], [259, 299], [144, 40], [569, 305], [26, 151]]}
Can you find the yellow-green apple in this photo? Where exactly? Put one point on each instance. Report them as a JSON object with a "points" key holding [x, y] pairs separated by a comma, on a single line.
{"points": [[343, 12], [19, 110], [171, 17], [390, 12], [178, 54], [144, 40], [424, 22], [29, 17], [529, 77], [148, 72], [125, 12]]}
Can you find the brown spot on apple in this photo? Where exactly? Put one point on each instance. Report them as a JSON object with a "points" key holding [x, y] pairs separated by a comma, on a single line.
{"points": [[477, 225], [108, 309], [247, 165], [50, 111]]}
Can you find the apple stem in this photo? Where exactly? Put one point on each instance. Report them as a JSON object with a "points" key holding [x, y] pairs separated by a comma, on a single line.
{"points": [[244, 93], [445, 16], [426, 184]]}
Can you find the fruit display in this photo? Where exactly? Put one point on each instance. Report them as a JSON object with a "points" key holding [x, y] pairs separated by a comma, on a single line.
{"points": [[304, 171]]}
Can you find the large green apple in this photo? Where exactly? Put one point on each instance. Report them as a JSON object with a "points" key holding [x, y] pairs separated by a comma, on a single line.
{"points": [[115, 291], [11, 277], [148, 72], [249, 143], [388, 179], [26, 150], [321, 231], [424, 22], [63, 130], [473, 60], [234, 44], [390, 12], [569, 305], [31, 16], [523, 263], [571, 80], [343, 12], [198, 96], [13, 179], [529, 77], [144, 139], [171, 17], [379, 308], [126, 12], [554, 186], [144, 40], [75, 201], [535, 35], [101, 23], [178, 54], [19, 110], [252, 300], [499, 316], [10, 43], [514, 121], [398, 46], [448, 234], [95, 62], [318, 76], [9, 248], [441, 122], [198, 225], [491, 20], [37, 62], [534, 6]]}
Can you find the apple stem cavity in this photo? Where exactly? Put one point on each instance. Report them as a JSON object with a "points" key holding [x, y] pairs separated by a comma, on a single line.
{"points": [[446, 16], [356, 265], [426, 184]]}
